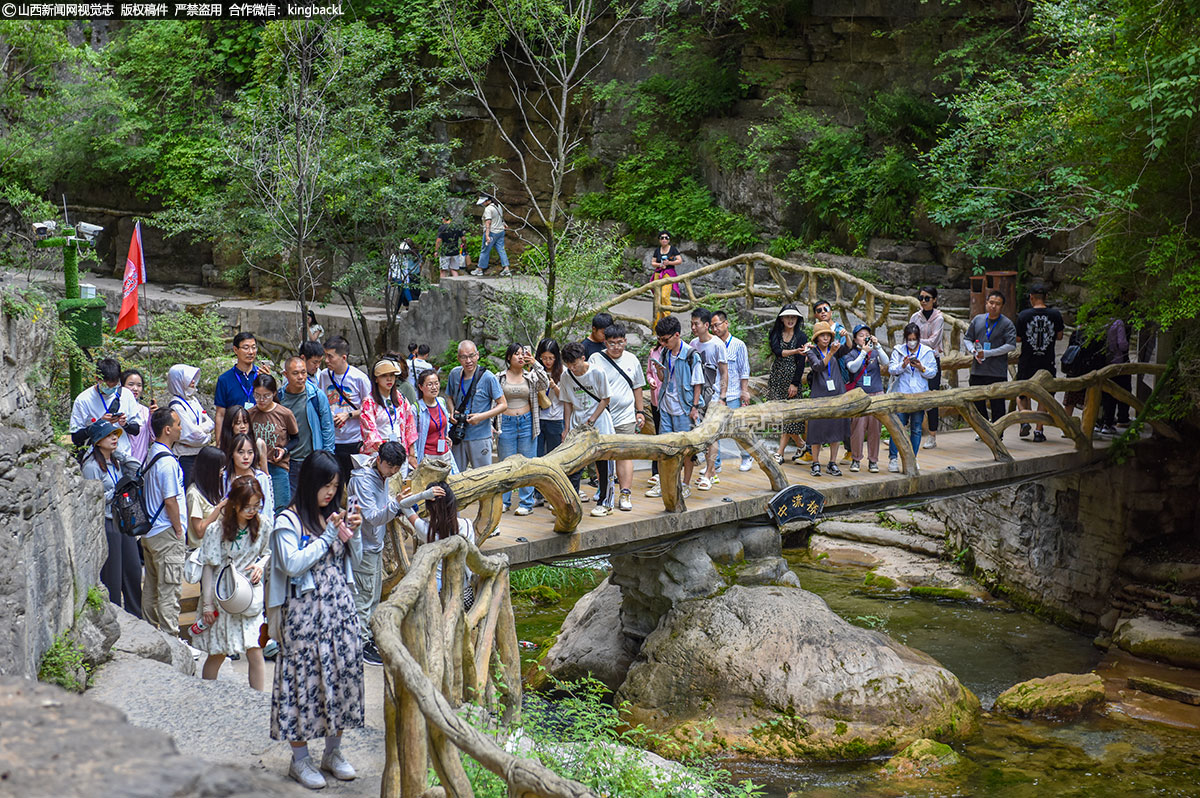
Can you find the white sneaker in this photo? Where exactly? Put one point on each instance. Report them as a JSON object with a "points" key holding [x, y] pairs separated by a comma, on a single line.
{"points": [[584, 497], [333, 762], [654, 492], [505, 272], [624, 503], [930, 443], [523, 511], [894, 465], [686, 491], [703, 483], [305, 772], [599, 511], [746, 465], [653, 481], [476, 272]]}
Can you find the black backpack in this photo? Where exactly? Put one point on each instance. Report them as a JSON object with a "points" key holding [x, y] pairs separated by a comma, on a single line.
{"points": [[1081, 357], [129, 512]]}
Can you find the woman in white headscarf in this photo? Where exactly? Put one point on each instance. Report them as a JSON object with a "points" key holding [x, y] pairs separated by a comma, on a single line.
{"points": [[196, 427]]}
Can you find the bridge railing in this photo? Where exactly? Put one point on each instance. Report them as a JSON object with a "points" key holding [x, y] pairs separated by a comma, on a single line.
{"points": [[438, 655], [851, 295], [549, 473]]}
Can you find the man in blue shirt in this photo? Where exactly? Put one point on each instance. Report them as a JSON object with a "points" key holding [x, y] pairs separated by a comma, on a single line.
{"points": [[487, 402], [236, 386], [163, 546]]}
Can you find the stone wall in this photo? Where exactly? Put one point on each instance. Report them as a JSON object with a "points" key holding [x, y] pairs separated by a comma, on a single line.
{"points": [[1056, 543]]}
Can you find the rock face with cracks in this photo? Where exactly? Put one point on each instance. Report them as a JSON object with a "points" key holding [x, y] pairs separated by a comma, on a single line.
{"points": [[772, 672]]}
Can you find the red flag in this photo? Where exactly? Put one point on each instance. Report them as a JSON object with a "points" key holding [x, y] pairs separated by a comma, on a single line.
{"points": [[135, 275]]}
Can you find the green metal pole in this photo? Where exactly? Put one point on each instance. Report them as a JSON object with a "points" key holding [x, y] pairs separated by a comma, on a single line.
{"points": [[71, 281]]}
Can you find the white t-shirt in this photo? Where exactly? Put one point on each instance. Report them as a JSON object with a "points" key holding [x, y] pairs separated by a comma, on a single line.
{"points": [[577, 401], [162, 482], [355, 385], [492, 214], [620, 393], [91, 405]]}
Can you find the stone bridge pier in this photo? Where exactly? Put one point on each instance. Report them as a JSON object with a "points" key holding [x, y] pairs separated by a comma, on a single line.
{"points": [[703, 563]]}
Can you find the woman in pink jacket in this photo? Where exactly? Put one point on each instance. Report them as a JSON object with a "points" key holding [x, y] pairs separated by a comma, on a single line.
{"points": [[387, 415], [930, 320]]}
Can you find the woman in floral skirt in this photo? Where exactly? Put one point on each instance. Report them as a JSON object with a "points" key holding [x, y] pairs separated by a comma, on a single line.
{"points": [[319, 674]]}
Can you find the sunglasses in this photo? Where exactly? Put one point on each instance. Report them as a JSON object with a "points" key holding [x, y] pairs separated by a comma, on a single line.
{"points": [[924, 298], [664, 238]]}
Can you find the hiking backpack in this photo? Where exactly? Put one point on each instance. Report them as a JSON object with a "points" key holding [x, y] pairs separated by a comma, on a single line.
{"points": [[129, 512]]}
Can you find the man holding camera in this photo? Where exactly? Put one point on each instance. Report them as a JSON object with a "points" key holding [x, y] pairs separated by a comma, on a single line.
{"points": [[477, 398], [106, 402]]}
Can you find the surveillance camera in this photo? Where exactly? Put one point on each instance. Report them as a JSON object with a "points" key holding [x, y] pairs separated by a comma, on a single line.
{"points": [[88, 232], [44, 229]]}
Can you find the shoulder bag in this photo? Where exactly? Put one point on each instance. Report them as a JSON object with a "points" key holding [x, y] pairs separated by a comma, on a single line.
{"points": [[458, 432]]}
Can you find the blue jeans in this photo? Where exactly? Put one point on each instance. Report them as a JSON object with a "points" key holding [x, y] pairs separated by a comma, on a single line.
{"points": [[670, 423], [913, 421], [496, 242], [732, 404], [516, 437], [281, 485]]}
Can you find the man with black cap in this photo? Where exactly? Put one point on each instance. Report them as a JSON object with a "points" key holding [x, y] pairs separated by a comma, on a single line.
{"points": [[1038, 327], [493, 236]]}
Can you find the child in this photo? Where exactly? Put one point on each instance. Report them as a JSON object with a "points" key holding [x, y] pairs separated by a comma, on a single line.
{"points": [[239, 539], [276, 426], [584, 394]]}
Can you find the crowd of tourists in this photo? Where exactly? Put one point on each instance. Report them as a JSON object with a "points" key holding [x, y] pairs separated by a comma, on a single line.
{"points": [[274, 497]]}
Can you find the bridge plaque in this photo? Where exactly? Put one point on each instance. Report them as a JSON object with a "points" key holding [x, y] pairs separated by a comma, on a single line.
{"points": [[796, 503]]}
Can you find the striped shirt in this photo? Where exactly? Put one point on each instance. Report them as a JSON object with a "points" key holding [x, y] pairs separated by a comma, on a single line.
{"points": [[739, 366]]}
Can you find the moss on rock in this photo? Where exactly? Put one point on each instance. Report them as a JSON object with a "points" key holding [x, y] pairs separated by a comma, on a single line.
{"points": [[922, 758], [1061, 696]]}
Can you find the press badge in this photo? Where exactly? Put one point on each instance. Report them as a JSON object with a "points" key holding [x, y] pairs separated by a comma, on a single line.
{"points": [[441, 446], [248, 405], [987, 347], [867, 381], [829, 386]]}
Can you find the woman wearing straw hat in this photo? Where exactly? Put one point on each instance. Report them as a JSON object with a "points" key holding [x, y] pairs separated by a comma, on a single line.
{"points": [[824, 358]]}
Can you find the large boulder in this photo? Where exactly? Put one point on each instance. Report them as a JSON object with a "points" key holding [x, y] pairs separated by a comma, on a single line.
{"points": [[1062, 696], [922, 758], [590, 642], [140, 640], [1159, 640], [772, 672]]}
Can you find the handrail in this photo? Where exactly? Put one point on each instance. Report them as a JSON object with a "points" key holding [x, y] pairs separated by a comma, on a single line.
{"points": [[863, 295], [549, 472], [437, 655]]}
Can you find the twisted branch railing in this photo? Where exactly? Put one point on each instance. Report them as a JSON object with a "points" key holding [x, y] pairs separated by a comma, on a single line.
{"points": [[549, 473], [437, 656]]}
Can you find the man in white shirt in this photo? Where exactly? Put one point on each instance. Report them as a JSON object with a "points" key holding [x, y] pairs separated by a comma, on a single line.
{"points": [[584, 394], [347, 388], [163, 546], [106, 402], [625, 402], [712, 352], [738, 392]]}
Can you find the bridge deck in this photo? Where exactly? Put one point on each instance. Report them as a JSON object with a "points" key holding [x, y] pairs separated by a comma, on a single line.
{"points": [[958, 463]]}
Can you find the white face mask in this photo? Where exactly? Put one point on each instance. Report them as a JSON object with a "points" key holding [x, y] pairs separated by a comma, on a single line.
{"points": [[912, 346], [190, 390]]}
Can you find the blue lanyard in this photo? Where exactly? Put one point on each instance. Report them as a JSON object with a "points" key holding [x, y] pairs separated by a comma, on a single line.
{"points": [[911, 367], [249, 391], [116, 477], [438, 425], [987, 329], [341, 386], [670, 367], [463, 386], [829, 365], [188, 405], [391, 416]]}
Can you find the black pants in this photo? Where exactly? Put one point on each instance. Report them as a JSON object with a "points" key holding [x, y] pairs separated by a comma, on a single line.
{"points": [[935, 382], [187, 462], [1116, 412], [343, 451], [997, 405], [121, 573], [604, 477], [657, 420]]}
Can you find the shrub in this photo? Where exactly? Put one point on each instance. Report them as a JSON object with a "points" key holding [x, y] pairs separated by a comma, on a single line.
{"points": [[63, 664]]}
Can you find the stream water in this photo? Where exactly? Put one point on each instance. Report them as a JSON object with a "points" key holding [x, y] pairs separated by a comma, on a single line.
{"points": [[990, 648]]}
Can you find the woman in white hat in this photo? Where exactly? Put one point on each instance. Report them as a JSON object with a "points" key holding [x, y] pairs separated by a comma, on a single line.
{"points": [[386, 414], [787, 340]]}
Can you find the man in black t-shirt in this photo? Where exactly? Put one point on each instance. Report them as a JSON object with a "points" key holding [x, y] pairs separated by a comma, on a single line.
{"points": [[1038, 328], [449, 247]]}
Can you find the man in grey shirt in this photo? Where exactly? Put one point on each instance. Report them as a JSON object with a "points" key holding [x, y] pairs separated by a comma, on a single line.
{"points": [[989, 339]]}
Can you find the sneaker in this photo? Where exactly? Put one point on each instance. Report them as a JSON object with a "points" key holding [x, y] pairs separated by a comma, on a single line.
{"points": [[334, 763], [599, 511], [686, 491], [746, 465], [703, 483], [854, 466], [196, 653], [873, 467], [524, 511], [798, 456], [506, 272], [894, 466], [778, 458], [476, 272], [507, 507], [654, 492], [653, 481], [807, 454], [1024, 431], [303, 771], [1039, 436], [833, 470], [584, 497], [816, 469], [1108, 430], [371, 655], [716, 478], [846, 456], [930, 443], [624, 503]]}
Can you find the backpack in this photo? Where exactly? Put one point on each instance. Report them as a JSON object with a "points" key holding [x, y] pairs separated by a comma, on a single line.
{"points": [[1080, 358], [130, 515]]}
